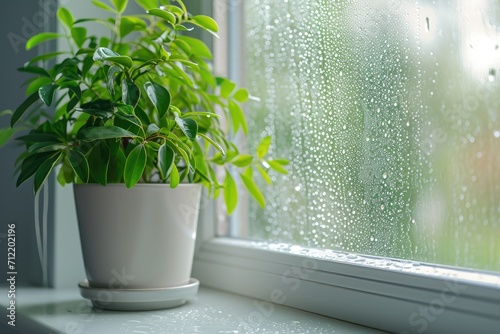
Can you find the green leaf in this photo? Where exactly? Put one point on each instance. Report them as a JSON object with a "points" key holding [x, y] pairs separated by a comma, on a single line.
{"points": [[65, 17], [182, 59], [103, 132], [282, 162], [163, 14], [207, 77], [241, 95], [253, 190], [79, 35], [130, 123], [181, 74], [264, 174], [159, 96], [5, 135], [98, 160], [96, 112], [35, 85], [120, 5], [105, 23], [248, 172], [174, 9], [34, 70], [143, 54], [226, 88], [230, 193], [46, 147], [116, 167], [30, 165], [40, 38], [130, 92], [166, 157], [180, 27], [73, 87], [110, 82], [23, 107], [178, 141], [237, 117], [79, 164], [182, 46], [6, 112], [66, 175], [125, 109], [200, 161], [46, 93], [147, 4], [205, 22], [188, 126], [129, 24], [218, 159], [152, 129], [100, 104], [200, 113], [85, 51], [44, 170], [263, 147], [46, 56], [103, 5], [174, 177], [277, 167], [142, 115], [243, 160], [211, 141], [134, 167], [198, 48], [107, 54], [88, 62], [231, 154], [178, 145], [38, 137]]}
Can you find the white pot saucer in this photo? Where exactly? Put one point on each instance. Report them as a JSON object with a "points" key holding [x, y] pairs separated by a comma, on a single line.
{"points": [[138, 299]]}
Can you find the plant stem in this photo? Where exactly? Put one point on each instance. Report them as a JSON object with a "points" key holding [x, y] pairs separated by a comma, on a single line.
{"points": [[184, 9]]}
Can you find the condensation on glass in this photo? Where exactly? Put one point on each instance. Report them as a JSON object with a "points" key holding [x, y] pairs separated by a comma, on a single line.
{"points": [[389, 112]]}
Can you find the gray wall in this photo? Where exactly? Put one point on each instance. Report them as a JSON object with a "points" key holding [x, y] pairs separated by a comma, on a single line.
{"points": [[19, 20]]}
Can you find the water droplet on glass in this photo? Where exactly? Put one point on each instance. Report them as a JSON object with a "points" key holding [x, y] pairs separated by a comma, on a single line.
{"points": [[492, 75], [408, 112]]}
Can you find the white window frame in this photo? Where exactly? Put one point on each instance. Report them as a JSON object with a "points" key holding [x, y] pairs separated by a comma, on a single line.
{"points": [[389, 294]]}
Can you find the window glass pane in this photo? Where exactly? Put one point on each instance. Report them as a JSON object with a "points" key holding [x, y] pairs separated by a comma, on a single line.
{"points": [[389, 111]]}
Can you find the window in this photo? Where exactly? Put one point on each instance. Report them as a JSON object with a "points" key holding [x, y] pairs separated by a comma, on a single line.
{"points": [[390, 122], [388, 111]]}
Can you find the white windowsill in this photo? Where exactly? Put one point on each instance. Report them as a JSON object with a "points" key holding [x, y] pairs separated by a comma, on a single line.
{"points": [[212, 311]]}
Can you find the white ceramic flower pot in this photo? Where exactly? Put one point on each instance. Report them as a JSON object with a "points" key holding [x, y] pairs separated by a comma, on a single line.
{"points": [[139, 238]]}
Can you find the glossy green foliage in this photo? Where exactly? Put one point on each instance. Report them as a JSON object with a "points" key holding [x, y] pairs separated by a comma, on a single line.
{"points": [[141, 110]]}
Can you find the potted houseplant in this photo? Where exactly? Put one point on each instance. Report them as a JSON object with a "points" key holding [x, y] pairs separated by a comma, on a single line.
{"points": [[138, 122]]}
